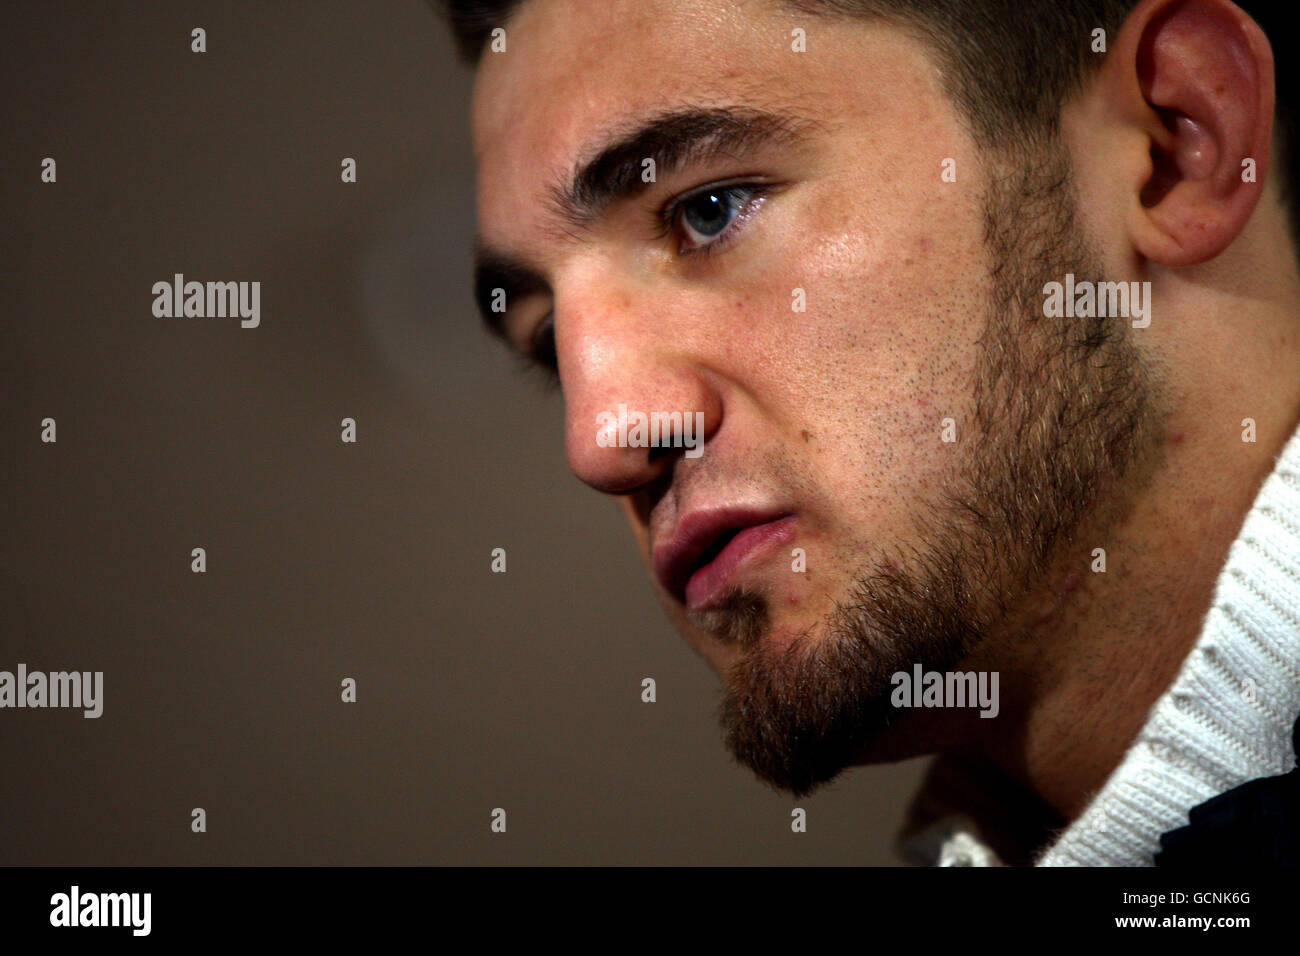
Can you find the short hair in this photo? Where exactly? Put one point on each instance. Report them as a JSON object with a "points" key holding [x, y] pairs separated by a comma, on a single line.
{"points": [[1010, 64]]}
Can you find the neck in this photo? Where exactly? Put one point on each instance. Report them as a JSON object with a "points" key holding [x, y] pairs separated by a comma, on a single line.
{"points": [[1098, 649]]}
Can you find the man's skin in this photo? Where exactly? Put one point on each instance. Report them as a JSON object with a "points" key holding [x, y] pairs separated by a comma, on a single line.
{"points": [[834, 414]]}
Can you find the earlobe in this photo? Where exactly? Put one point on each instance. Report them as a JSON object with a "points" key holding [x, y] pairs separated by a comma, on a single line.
{"points": [[1204, 72]]}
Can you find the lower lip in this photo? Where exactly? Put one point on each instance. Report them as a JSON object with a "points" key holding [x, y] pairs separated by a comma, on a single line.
{"points": [[706, 585]]}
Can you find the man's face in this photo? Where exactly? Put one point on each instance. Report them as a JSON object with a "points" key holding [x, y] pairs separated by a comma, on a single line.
{"points": [[828, 306]]}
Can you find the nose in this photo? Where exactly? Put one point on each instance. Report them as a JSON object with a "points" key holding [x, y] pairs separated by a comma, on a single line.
{"points": [[638, 394]]}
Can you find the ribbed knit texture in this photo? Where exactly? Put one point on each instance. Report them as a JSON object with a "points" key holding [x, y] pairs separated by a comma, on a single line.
{"points": [[1227, 717]]}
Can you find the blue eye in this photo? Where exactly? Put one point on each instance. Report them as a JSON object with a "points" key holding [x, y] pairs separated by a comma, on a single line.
{"points": [[708, 214], [707, 218]]}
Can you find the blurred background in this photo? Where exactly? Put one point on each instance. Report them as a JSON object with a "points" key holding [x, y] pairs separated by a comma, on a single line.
{"points": [[325, 560]]}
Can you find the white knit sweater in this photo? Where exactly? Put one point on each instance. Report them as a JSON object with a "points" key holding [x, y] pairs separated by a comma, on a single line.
{"points": [[1226, 718]]}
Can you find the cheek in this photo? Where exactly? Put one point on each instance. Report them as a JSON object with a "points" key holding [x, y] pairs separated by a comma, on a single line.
{"points": [[879, 369]]}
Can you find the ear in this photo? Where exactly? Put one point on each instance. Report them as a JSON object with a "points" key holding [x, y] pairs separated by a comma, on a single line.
{"points": [[1197, 77]]}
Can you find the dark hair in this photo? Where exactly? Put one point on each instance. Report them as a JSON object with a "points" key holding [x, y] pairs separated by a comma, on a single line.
{"points": [[1012, 63]]}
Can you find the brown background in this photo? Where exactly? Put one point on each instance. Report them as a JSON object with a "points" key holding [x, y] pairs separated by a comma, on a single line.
{"points": [[325, 560]]}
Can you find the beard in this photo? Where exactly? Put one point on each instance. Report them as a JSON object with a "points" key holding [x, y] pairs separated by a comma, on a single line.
{"points": [[1063, 408]]}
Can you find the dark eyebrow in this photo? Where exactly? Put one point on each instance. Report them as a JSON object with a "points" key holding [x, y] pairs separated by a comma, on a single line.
{"points": [[674, 139]]}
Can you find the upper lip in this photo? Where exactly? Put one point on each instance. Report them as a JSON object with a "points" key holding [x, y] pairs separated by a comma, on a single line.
{"points": [[698, 533]]}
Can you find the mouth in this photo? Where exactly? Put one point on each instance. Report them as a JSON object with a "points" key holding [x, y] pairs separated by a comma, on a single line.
{"points": [[710, 548]]}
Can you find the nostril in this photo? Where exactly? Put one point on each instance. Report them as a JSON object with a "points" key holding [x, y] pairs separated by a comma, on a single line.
{"points": [[658, 451]]}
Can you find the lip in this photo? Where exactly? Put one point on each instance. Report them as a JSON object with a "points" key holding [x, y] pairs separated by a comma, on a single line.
{"points": [[677, 563]]}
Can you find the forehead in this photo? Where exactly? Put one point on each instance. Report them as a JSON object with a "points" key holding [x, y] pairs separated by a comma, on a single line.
{"points": [[574, 70], [582, 60]]}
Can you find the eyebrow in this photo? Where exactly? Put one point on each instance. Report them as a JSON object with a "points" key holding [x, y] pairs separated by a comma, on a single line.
{"points": [[674, 139]]}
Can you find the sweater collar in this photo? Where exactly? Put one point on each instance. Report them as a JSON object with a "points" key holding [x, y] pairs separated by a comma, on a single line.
{"points": [[1226, 718]]}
